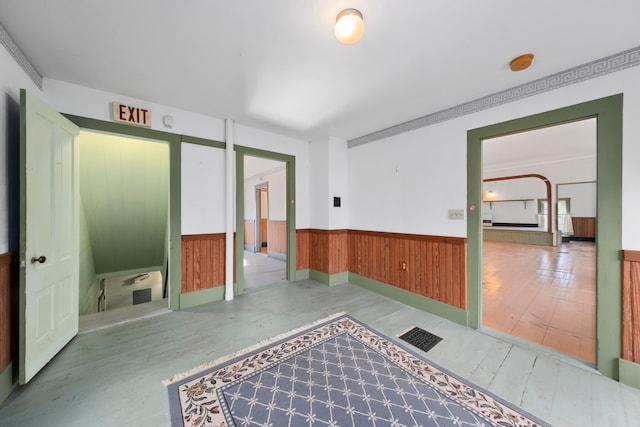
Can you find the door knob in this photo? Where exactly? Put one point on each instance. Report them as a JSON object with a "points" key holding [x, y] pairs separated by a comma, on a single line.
{"points": [[40, 259]]}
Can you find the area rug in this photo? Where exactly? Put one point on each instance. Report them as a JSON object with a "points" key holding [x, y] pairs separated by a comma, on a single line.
{"points": [[334, 372]]}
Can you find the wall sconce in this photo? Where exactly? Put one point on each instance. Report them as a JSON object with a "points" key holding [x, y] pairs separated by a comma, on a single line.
{"points": [[490, 194], [349, 26]]}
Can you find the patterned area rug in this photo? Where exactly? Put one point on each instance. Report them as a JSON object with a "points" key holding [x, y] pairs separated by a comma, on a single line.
{"points": [[335, 372]]}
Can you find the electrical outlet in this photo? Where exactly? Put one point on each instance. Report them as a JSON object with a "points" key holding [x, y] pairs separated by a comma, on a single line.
{"points": [[456, 213], [403, 266]]}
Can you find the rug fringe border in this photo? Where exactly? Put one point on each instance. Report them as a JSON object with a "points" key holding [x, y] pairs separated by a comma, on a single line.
{"points": [[223, 359]]}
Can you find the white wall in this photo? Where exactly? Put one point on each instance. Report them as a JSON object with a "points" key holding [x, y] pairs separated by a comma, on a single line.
{"points": [[96, 104], [12, 80], [514, 212], [583, 198], [255, 138], [329, 179], [277, 196], [87, 102], [203, 189], [407, 182]]}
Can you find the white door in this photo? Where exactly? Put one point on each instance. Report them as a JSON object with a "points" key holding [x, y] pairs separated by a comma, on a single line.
{"points": [[48, 234]]}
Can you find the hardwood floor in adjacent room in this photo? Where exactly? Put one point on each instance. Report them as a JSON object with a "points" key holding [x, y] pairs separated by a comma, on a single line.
{"points": [[542, 294]]}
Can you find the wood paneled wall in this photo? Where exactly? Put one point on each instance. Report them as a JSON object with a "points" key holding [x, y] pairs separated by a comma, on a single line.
{"points": [[328, 250], [325, 251], [250, 232], [264, 231], [8, 308], [278, 236], [435, 266], [302, 248], [631, 306], [584, 227], [203, 258]]}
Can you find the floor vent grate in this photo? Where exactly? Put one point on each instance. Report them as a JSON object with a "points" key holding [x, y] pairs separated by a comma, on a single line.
{"points": [[420, 338]]}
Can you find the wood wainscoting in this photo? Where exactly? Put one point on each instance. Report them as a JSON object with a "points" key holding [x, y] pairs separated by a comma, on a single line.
{"points": [[278, 237], [203, 258], [436, 266], [302, 248], [584, 227], [631, 306], [328, 251], [325, 251], [250, 234], [8, 308]]}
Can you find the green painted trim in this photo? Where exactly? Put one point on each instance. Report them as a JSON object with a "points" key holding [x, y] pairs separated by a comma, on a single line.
{"points": [[192, 299], [203, 141], [429, 305], [629, 373], [608, 111], [239, 285], [7, 384], [22, 304], [329, 279], [339, 278], [319, 276], [290, 162], [302, 275], [174, 141], [175, 224], [129, 272]]}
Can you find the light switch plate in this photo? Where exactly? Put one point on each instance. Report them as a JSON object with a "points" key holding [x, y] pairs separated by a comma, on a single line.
{"points": [[456, 213]]}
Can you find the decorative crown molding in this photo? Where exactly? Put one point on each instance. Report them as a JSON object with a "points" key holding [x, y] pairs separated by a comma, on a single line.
{"points": [[17, 54], [610, 64]]}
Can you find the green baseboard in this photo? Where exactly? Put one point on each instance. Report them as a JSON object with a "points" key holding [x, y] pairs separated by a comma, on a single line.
{"points": [[629, 373], [191, 299], [6, 382], [302, 275], [329, 279], [429, 305]]}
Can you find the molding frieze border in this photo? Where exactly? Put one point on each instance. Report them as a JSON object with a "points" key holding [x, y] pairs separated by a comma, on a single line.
{"points": [[17, 54], [610, 64]]}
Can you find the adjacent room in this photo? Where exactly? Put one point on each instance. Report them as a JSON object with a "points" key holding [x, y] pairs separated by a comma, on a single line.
{"points": [[539, 281], [265, 223]]}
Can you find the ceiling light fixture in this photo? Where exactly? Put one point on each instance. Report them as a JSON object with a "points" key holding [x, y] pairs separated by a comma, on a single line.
{"points": [[522, 62], [349, 26]]}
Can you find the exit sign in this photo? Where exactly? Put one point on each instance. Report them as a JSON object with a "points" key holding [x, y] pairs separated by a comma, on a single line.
{"points": [[131, 115]]}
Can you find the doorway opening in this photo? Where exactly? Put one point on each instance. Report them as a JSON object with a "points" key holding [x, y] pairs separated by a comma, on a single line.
{"points": [[608, 113], [265, 223], [124, 214], [251, 165], [538, 285]]}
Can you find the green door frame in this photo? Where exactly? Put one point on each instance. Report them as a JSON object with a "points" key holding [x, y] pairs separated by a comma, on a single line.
{"points": [[290, 162], [175, 167], [608, 112]]}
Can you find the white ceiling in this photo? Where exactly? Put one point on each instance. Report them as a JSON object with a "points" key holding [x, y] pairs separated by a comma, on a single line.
{"points": [[275, 64], [576, 140]]}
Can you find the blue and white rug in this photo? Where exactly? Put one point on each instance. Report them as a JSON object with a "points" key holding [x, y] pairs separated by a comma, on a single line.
{"points": [[334, 372]]}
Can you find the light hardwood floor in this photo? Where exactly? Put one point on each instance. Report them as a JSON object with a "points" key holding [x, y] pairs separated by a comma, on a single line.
{"points": [[112, 377], [542, 294]]}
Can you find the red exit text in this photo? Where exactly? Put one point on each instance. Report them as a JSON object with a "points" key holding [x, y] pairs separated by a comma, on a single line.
{"points": [[132, 115]]}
